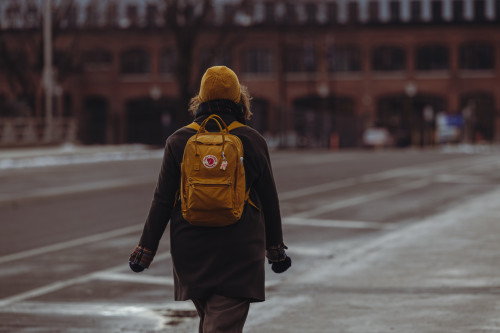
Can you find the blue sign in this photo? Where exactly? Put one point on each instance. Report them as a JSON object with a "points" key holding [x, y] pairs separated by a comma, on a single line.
{"points": [[455, 120]]}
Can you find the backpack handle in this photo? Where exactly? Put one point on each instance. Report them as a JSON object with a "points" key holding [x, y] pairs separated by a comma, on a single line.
{"points": [[223, 130], [219, 122]]}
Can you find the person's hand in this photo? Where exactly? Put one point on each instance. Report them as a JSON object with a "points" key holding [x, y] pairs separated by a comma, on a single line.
{"points": [[135, 267], [278, 259]]}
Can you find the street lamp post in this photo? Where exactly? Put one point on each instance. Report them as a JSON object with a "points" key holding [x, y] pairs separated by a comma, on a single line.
{"points": [[411, 91], [48, 72]]}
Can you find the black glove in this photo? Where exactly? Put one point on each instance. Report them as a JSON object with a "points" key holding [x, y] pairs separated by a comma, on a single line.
{"points": [[278, 259], [135, 267]]}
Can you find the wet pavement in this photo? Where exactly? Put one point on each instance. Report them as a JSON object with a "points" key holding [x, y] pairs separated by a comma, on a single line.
{"points": [[392, 241]]}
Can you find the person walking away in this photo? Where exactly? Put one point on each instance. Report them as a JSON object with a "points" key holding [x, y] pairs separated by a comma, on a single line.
{"points": [[218, 258]]}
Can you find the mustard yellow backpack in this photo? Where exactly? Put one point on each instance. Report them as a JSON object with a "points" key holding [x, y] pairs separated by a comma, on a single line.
{"points": [[212, 176]]}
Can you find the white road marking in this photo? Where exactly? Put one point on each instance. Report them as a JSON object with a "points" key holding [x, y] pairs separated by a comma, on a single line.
{"points": [[58, 285], [360, 199], [73, 189], [337, 223], [72, 243], [135, 278], [426, 170]]}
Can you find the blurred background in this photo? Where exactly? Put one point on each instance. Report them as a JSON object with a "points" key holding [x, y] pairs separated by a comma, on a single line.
{"points": [[323, 73], [403, 239]]}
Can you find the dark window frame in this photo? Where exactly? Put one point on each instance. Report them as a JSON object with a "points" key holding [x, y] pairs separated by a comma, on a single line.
{"points": [[345, 59], [135, 61], [388, 58], [477, 56], [258, 60], [431, 57], [301, 59]]}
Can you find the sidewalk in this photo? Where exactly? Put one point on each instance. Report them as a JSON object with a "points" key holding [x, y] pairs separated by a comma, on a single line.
{"points": [[440, 275], [13, 158]]}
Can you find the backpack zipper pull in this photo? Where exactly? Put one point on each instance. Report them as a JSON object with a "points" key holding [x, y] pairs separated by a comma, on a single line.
{"points": [[223, 165]]}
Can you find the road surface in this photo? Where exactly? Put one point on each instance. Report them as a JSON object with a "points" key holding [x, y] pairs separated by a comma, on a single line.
{"points": [[350, 221]]}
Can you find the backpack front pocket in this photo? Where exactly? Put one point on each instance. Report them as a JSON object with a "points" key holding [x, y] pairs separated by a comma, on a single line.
{"points": [[203, 196]]}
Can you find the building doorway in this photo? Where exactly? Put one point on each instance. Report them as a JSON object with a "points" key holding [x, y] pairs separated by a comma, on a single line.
{"points": [[409, 120], [478, 111], [326, 122], [95, 120], [260, 117], [150, 121]]}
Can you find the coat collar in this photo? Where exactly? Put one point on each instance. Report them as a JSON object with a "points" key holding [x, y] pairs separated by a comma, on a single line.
{"points": [[228, 110]]}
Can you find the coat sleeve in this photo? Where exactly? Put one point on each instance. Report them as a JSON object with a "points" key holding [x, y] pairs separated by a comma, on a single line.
{"points": [[161, 208], [268, 195]]}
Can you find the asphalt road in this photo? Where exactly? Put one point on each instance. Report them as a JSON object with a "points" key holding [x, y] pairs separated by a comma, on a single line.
{"points": [[67, 232]]}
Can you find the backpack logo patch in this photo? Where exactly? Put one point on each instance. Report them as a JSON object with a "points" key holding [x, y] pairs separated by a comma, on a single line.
{"points": [[210, 161]]}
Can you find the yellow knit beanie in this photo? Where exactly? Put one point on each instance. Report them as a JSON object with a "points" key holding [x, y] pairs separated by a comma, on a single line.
{"points": [[219, 82]]}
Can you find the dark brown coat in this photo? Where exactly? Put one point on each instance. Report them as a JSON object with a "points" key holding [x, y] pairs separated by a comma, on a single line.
{"points": [[228, 261]]}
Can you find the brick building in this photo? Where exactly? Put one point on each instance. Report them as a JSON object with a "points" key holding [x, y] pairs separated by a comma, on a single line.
{"points": [[321, 71]]}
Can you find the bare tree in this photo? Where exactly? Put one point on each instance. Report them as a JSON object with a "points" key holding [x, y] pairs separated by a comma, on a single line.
{"points": [[186, 20], [21, 50]]}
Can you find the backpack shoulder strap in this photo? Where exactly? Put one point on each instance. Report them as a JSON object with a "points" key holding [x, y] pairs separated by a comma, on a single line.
{"points": [[235, 124], [194, 126], [232, 126]]}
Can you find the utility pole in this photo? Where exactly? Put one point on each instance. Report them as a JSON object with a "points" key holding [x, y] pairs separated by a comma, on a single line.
{"points": [[48, 77]]}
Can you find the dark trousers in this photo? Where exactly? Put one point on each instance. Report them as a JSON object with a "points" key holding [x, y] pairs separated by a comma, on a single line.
{"points": [[220, 314]]}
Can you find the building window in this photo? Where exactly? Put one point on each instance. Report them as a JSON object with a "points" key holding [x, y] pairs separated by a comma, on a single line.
{"points": [[91, 18], [437, 10], [257, 60], [352, 12], [458, 10], [394, 11], [112, 14], [344, 58], [311, 13], [209, 58], [416, 11], [134, 61], [290, 13], [432, 57], [97, 59], [476, 56], [132, 15], [332, 12], [497, 10], [13, 15], [300, 59], [151, 15], [168, 61], [388, 58], [268, 12], [32, 18], [373, 11], [479, 10]]}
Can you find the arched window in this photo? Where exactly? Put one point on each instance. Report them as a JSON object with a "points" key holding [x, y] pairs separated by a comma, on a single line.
{"points": [[388, 58], [97, 58], [134, 61], [344, 58], [257, 60], [300, 58], [476, 56], [432, 57]]}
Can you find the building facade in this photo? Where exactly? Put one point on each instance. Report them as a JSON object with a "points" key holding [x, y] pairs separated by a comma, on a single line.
{"points": [[320, 72]]}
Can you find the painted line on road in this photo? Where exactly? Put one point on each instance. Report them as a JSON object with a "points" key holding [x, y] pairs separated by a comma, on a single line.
{"points": [[135, 278], [337, 223], [357, 200], [58, 285], [75, 189], [72, 243], [425, 170]]}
